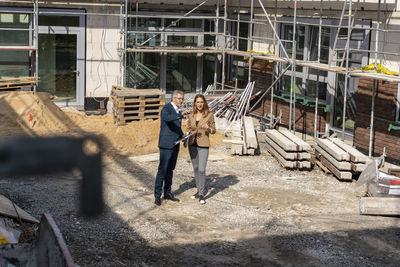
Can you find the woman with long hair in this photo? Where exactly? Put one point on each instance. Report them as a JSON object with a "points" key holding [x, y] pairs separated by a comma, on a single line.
{"points": [[201, 124]]}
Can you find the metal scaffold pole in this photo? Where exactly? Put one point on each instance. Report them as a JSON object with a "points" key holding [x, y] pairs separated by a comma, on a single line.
{"points": [[121, 41], [274, 30], [251, 37], [346, 78], [319, 61], [125, 42], [237, 44], [36, 40], [216, 43], [293, 79], [371, 130], [136, 29], [271, 120], [224, 45]]}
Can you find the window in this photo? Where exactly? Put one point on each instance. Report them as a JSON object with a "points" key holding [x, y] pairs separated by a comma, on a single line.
{"points": [[307, 80], [14, 63], [167, 71]]}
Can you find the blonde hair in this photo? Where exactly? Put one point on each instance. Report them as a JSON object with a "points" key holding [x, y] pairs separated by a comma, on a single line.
{"points": [[206, 111]]}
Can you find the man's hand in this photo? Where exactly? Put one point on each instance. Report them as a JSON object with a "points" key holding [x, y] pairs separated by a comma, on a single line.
{"points": [[186, 112]]}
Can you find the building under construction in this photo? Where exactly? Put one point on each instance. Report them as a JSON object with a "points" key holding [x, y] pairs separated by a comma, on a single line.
{"points": [[320, 66]]}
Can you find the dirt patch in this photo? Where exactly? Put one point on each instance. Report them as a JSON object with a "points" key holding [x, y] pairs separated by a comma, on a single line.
{"points": [[34, 114]]}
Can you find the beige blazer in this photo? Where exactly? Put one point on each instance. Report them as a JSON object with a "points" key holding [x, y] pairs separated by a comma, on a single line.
{"points": [[201, 135]]}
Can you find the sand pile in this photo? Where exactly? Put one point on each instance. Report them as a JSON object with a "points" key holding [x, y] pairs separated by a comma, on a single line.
{"points": [[34, 114]]}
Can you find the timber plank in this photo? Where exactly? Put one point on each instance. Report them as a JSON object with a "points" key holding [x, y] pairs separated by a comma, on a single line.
{"points": [[380, 206]]}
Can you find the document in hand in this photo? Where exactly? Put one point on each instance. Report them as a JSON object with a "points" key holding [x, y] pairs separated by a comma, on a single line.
{"points": [[183, 138]]}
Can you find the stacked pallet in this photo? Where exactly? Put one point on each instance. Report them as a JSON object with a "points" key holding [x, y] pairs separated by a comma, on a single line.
{"points": [[340, 159], [291, 151], [134, 104], [11, 84]]}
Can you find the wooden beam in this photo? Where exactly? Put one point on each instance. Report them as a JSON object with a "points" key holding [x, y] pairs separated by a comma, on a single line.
{"points": [[380, 206]]}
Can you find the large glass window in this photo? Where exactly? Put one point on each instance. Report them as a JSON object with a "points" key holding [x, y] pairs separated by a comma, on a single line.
{"points": [[166, 70], [57, 65], [147, 72], [308, 81], [14, 63], [181, 72]]}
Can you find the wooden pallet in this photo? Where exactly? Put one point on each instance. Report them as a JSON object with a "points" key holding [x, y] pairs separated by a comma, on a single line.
{"points": [[137, 109], [10, 84], [136, 104], [122, 120]]}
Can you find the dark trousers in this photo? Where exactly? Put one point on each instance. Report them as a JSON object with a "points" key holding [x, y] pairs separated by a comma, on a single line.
{"points": [[168, 158]]}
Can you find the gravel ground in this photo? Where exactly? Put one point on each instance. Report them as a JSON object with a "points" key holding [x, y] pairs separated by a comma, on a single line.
{"points": [[257, 214]]}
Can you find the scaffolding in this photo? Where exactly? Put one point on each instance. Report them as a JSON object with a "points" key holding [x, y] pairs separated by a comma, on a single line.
{"points": [[280, 56]]}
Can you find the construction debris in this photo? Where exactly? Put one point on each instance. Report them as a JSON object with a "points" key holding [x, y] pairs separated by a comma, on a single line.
{"points": [[232, 108], [134, 104], [291, 151], [10, 209]]}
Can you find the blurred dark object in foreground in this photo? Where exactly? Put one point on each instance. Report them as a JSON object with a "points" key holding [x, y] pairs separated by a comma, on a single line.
{"points": [[33, 156]]}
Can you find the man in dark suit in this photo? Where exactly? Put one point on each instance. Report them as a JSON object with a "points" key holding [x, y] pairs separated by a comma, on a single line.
{"points": [[170, 132]]}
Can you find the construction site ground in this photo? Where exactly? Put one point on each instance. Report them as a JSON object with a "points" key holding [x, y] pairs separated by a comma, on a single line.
{"points": [[257, 213]]}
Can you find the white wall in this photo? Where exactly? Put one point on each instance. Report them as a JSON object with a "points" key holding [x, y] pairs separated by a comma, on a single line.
{"points": [[102, 58]]}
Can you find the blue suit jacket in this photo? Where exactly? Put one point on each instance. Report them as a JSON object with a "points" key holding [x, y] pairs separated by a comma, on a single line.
{"points": [[170, 130]]}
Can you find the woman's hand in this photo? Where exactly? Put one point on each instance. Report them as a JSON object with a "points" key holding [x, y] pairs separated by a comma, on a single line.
{"points": [[205, 126]]}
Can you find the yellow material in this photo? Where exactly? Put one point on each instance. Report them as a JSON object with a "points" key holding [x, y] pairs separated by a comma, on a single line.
{"points": [[379, 69], [259, 53], [3, 240]]}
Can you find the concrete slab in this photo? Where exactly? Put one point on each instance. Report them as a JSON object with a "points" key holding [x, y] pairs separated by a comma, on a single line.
{"points": [[340, 165], [300, 143], [355, 155], [281, 140], [335, 151]]}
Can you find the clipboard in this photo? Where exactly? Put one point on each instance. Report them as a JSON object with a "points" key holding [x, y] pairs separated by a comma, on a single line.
{"points": [[183, 138]]}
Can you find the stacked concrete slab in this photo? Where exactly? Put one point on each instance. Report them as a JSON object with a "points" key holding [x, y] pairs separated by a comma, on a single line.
{"points": [[291, 151], [341, 159], [244, 140]]}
